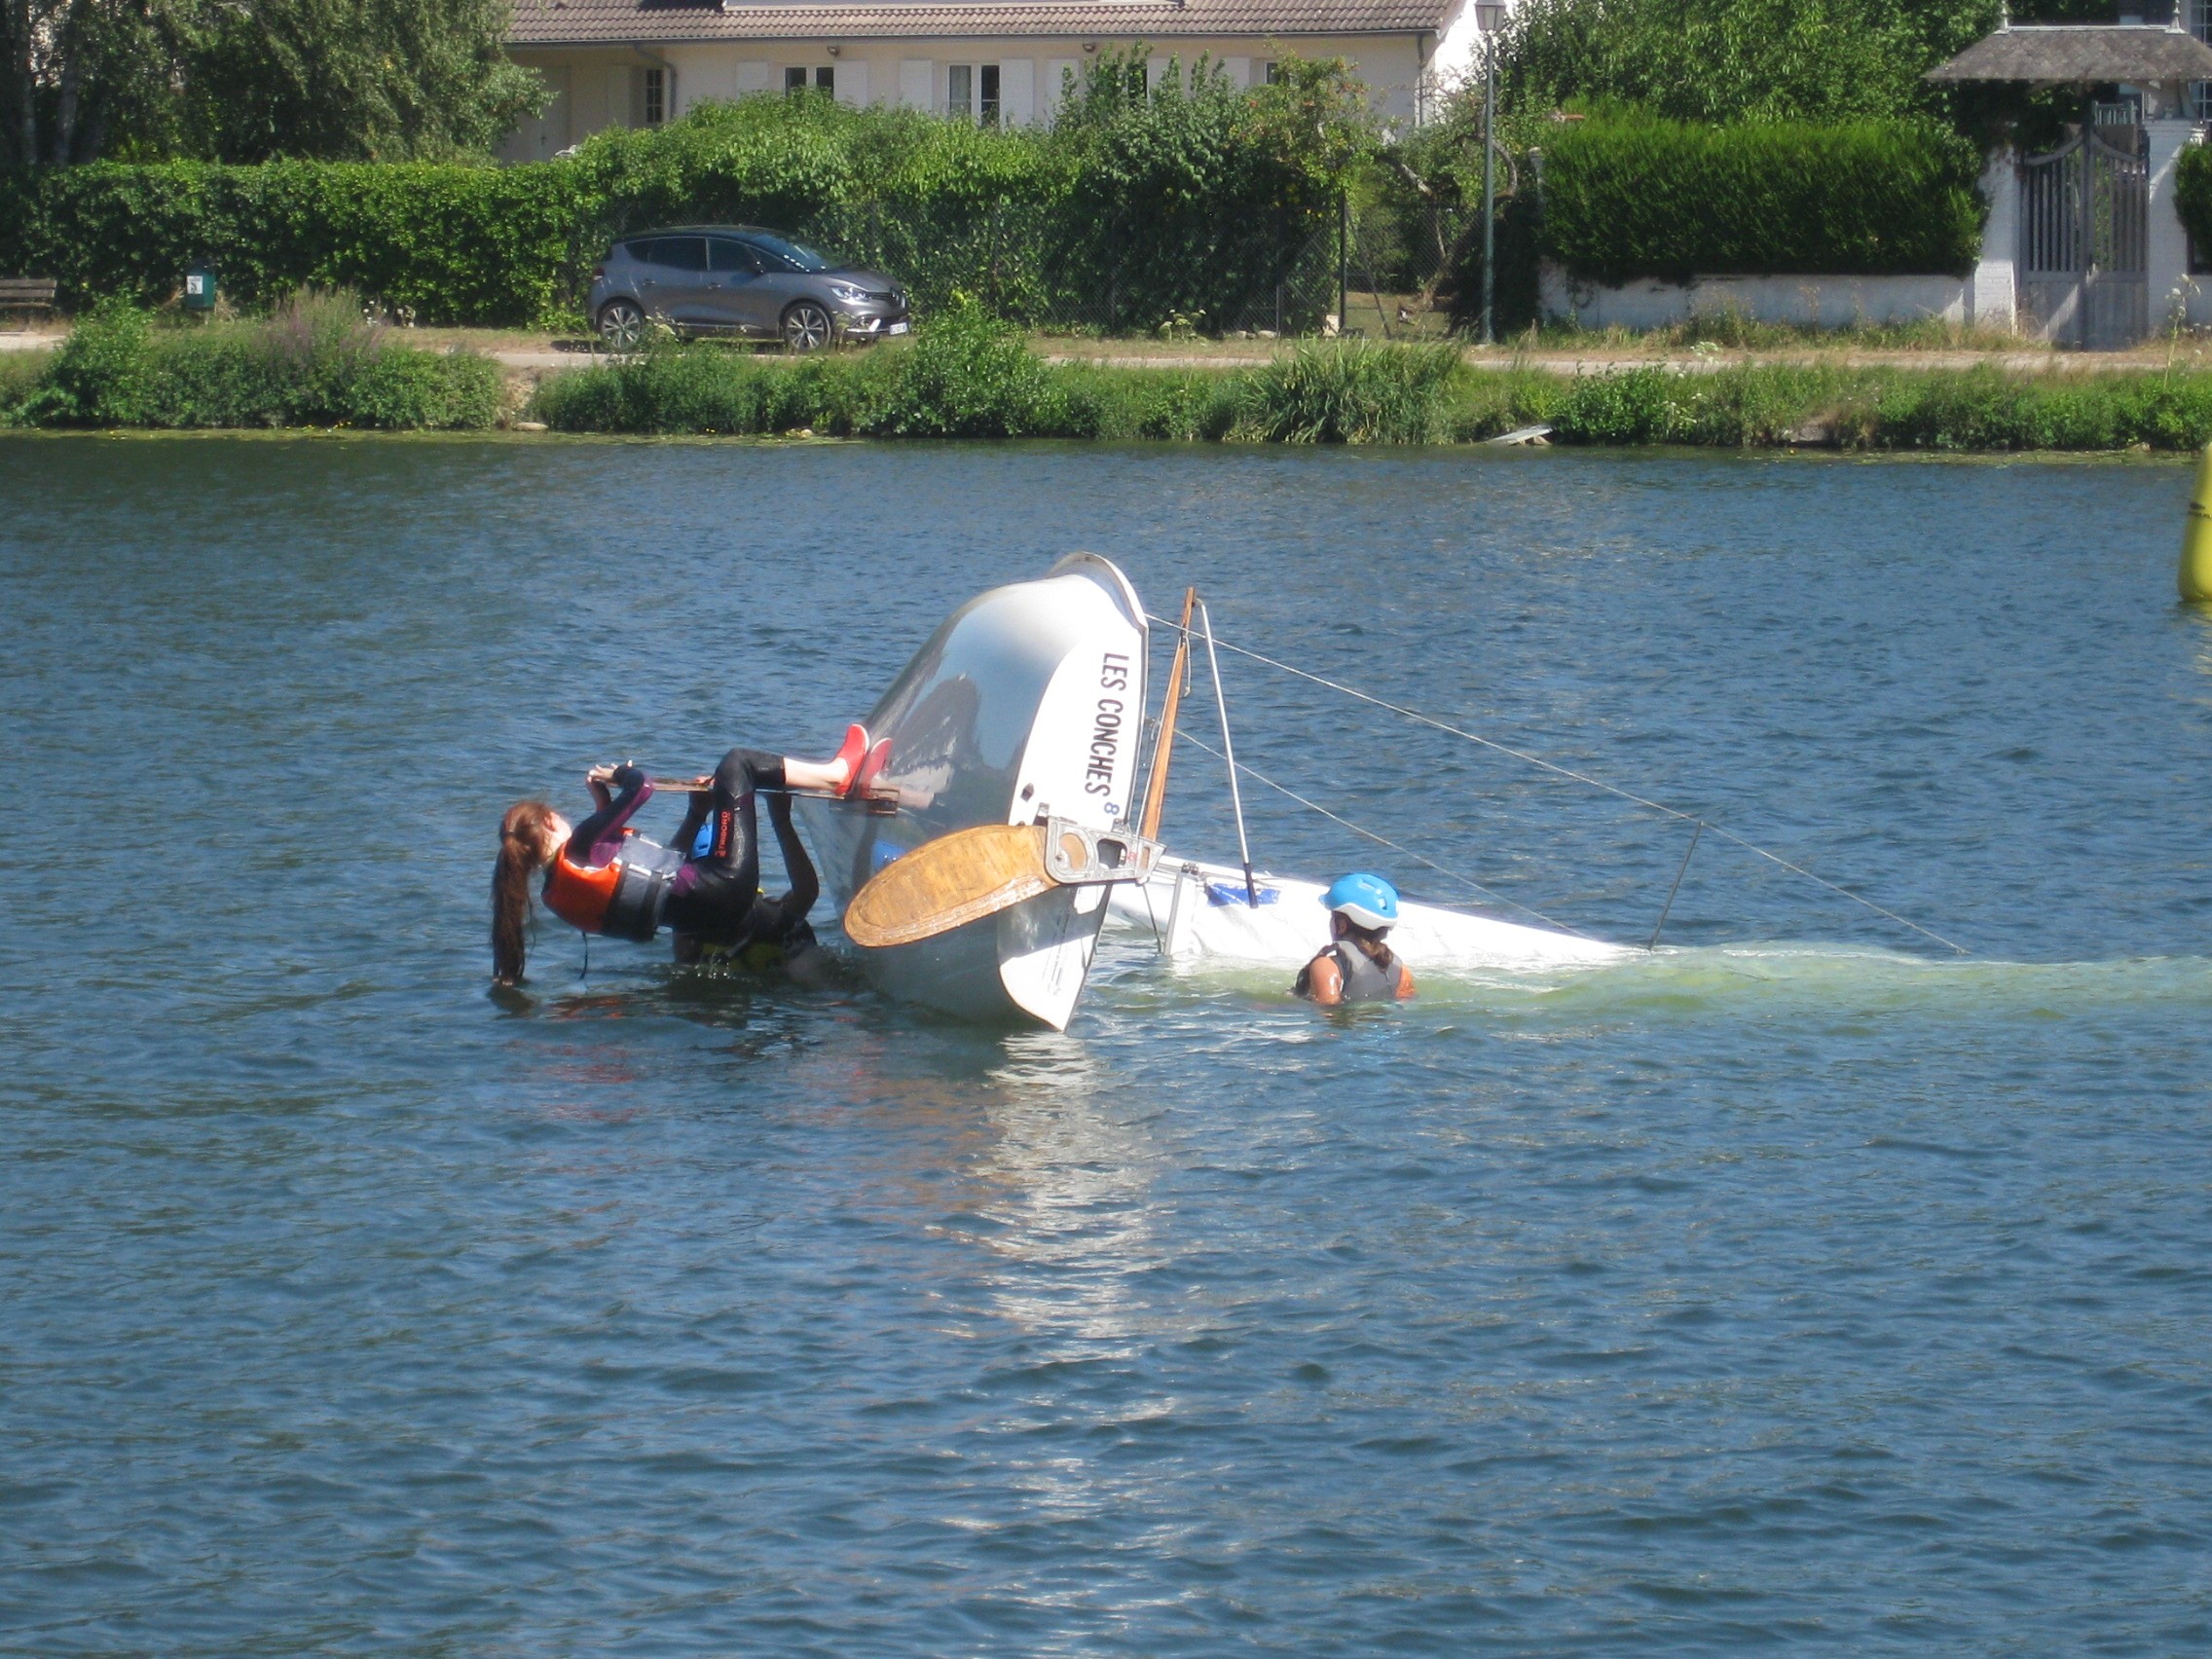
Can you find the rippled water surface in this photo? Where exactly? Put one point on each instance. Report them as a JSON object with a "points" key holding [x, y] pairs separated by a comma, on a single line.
{"points": [[1795, 1287]]}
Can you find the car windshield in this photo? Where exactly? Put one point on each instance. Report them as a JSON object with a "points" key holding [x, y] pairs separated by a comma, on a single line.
{"points": [[797, 256]]}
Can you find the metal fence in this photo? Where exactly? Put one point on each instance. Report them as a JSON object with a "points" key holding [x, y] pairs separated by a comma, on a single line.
{"points": [[1376, 273], [1380, 273]]}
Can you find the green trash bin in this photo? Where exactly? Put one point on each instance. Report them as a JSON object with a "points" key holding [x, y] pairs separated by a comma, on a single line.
{"points": [[200, 288]]}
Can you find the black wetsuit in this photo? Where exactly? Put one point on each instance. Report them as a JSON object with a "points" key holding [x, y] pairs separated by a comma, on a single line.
{"points": [[714, 893], [776, 930]]}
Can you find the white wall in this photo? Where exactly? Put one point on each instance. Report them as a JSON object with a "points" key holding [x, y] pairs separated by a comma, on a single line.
{"points": [[1819, 302], [1996, 301], [539, 137], [2165, 244], [599, 89]]}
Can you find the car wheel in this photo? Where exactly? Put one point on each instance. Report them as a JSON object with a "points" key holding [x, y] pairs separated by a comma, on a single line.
{"points": [[621, 324], [806, 327]]}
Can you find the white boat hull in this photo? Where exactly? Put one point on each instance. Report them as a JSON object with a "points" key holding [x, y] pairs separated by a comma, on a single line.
{"points": [[1180, 905], [1028, 703]]}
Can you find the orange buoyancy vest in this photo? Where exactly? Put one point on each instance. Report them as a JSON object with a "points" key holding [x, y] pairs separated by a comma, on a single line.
{"points": [[623, 898], [580, 895]]}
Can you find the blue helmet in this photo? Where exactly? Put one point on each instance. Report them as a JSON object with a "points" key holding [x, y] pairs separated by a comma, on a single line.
{"points": [[1366, 901]]}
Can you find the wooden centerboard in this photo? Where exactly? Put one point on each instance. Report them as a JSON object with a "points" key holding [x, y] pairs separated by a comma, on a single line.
{"points": [[949, 882]]}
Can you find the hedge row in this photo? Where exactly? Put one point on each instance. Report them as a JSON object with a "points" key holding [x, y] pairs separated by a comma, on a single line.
{"points": [[1190, 197], [456, 243], [1623, 200], [1191, 204]]}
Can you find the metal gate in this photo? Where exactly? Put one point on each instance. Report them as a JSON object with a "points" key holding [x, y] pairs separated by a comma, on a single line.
{"points": [[2082, 280]]}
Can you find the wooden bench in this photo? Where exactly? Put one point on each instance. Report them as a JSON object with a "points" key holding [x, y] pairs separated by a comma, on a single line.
{"points": [[26, 294]]}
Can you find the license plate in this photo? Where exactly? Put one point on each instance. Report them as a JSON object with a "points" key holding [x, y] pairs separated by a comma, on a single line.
{"points": [[896, 329]]}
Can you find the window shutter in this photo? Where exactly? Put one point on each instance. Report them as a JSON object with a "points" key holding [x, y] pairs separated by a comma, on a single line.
{"points": [[1018, 92]]}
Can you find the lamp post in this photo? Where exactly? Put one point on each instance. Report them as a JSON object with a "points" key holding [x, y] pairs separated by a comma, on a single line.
{"points": [[1489, 14]]}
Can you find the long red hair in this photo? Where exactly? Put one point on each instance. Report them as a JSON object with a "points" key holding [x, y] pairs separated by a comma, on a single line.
{"points": [[523, 834]]}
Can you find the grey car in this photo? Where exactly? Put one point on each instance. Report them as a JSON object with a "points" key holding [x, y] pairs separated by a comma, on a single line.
{"points": [[738, 279]]}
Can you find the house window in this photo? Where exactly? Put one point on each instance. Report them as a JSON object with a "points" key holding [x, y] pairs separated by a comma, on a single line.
{"points": [[1270, 73], [972, 92], [824, 78], [2200, 25], [656, 97]]}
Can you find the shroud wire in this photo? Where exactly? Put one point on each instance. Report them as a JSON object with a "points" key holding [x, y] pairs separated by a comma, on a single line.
{"points": [[1596, 784]]}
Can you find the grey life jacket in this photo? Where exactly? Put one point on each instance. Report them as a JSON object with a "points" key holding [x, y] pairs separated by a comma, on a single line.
{"points": [[1364, 979], [641, 891]]}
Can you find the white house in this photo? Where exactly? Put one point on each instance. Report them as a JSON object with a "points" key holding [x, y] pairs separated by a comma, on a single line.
{"points": [[640, 62]]}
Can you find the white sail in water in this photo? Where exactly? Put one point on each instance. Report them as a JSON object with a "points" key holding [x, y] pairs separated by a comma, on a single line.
{"points": [[1027, 704], [1200, 913]]}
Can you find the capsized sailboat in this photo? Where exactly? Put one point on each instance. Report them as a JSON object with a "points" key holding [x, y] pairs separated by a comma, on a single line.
{"points": [[1025, 707], [976, 869]]}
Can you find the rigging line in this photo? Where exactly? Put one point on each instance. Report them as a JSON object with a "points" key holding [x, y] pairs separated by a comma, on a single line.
{"points": [[1488, 892], [1539, 760], [1229, 753]]}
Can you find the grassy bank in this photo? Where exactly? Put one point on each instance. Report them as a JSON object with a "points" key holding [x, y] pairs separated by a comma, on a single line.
{"points": [[968, 380], [314, 362]]}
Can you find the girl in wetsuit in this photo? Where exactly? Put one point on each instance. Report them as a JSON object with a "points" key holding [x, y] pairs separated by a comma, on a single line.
{"points": [[602, 877]]}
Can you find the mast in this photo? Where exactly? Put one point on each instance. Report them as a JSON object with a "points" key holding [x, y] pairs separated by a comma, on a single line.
{"points": [[1163, 750]]}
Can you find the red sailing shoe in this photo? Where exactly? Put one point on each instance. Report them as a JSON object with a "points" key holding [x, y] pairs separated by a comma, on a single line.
{"points": [[863, 779], [853, 751]]}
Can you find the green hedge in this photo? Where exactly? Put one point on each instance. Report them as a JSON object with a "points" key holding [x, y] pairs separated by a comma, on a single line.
{"points": [[1187, 198], [457, 243], [1630, 199], [1189, 202], [2192, 193]]}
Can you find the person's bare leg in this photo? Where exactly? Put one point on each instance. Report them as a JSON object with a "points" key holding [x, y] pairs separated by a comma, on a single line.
{"points": [[831, 774], [827, 775]]}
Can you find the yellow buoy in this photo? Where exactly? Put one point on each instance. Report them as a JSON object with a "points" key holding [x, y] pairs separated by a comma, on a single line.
{"points": [[2196, 536]]}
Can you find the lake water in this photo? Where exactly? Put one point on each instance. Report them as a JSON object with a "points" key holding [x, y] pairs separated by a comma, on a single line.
{"points": [[1799, 1287]]}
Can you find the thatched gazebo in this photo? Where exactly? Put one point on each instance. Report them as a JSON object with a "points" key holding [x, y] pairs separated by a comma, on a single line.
{"points": [[2154, 57], [2083, 244]]}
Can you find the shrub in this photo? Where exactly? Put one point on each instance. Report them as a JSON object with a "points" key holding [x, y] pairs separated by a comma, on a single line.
{"points": [[102, 374], [315, 363], [1630, 199], [2192, 193], [1350, 392], [965, 376]]}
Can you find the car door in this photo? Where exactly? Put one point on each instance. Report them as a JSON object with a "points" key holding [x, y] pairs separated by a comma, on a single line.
{"points": [[781, 282], [734, 288], [673, 281]]}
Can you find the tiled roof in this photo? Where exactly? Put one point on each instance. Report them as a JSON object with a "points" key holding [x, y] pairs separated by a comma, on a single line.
{"points": [[579, 22]]}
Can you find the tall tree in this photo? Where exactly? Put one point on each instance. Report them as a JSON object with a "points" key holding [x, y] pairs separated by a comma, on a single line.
{"points": [[368, 79], [1738, 59], [80, 72], [248, 79]]}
